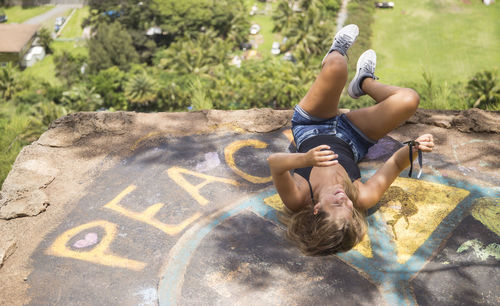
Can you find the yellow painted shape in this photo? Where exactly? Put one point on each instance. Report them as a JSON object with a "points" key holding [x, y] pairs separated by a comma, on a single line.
{"points": [[235, 146], [275, 202], [288, 133], [364, 247], [176, 174], [100, 254], [487, 211], [147, 216], [433, 202]]}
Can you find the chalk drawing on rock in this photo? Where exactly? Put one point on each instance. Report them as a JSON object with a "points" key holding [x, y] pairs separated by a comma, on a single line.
{"points": [[432, 202], [480, 250], [384, 149], [89, 240], [149, 296], [487, 211], [211, 161], [403, 205]]}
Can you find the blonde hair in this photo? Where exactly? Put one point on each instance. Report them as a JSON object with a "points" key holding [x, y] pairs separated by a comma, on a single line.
{"points": [[317, 234]]}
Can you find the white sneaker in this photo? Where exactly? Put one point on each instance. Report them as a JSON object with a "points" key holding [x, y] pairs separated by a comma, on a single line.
{"points": [[343, 40], [365, 68]]}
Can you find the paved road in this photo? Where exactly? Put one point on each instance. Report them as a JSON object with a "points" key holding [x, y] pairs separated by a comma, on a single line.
{"points": [[55, 12]]}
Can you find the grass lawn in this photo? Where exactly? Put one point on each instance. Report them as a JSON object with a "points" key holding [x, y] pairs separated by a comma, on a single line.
{"points": [[17, 14], [74, 27], [266, 24], [448, 39], [46, 70], [49, 23]]}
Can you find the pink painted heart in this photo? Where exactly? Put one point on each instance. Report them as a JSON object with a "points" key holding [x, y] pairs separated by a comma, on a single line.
{"points": [[90, 239]]}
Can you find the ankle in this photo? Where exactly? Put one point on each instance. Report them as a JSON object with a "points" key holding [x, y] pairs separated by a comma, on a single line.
{"points": [[365, 83]]}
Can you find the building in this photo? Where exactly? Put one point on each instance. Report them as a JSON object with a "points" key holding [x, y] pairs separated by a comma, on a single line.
{"points": [[15, 41]]}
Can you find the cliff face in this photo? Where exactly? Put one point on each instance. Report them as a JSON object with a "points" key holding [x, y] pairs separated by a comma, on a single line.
{"points": [[51, 174]]}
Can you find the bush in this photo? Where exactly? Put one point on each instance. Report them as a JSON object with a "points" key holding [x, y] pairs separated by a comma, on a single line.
{"points": [[484, 90]]}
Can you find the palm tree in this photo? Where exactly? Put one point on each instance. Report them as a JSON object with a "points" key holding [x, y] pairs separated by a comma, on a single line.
{"points": [[141, 89], [282, 16], [82, 98]]}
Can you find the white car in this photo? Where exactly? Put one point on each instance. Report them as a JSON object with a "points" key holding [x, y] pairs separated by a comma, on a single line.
{"points": [[275, 49], [254, 29]]}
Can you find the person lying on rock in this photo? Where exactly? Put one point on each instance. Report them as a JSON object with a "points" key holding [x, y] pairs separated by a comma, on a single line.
{"points": [[325, 197]]}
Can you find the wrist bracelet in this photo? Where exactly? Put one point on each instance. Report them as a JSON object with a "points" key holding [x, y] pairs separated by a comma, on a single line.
{"points": [[411, 144]]}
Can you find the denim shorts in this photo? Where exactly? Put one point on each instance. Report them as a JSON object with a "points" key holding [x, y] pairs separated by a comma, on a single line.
{"points": [[305, 126]]}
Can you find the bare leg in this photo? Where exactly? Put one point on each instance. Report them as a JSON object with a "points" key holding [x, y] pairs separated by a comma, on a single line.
{"points": [[394, 106], [322, 99]]}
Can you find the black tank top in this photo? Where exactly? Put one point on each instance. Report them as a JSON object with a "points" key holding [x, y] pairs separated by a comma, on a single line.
{"points": [[340, 147]]}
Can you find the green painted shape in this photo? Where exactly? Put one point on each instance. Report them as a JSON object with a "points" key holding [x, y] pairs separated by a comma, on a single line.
{"points": [[482, 252]]}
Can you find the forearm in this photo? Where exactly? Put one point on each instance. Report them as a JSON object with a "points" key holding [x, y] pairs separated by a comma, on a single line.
{"points": [[402, 158], [282, 162]]}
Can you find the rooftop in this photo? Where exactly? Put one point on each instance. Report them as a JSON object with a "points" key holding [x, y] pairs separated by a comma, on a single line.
{"points": [[13, 37]]}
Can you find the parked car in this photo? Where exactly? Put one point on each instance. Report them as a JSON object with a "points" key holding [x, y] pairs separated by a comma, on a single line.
{"points": [[245, 46], [3, 17], [254, 29], [59, 22], [384, 4], [275, 49]]}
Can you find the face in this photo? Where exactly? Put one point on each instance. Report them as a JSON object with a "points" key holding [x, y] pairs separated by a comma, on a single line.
{"points": [[336, 203]]}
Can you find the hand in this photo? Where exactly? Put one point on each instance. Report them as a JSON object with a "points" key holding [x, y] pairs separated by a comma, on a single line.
{"points": [[425, 143], [321, 156]]}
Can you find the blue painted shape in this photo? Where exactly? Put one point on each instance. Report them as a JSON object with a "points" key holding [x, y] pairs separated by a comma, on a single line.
{"points": [[173, 274], [383, 270]]}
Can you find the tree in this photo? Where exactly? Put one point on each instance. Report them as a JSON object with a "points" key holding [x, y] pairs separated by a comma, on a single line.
{"points": [[81, 98], [188, 18], [197, 56], [308, 29], [141, 89], [69, 67], [9, 81], [111, 46], [45, 39], [109, 84]]}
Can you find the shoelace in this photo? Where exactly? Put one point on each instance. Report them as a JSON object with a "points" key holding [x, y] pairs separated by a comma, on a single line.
{"points": [[370, 68], [343, 43]]}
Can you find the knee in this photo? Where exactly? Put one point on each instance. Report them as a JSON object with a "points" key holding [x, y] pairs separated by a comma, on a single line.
{"points": [[335, 63], [409, 100]]}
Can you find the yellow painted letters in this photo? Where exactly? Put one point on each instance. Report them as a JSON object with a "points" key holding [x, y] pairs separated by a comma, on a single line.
{"points": [[235, 146], [147, 216], [176, 173], [100, 254]]}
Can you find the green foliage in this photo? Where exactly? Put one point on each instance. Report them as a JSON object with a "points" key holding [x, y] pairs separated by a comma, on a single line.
{"points": [[196, 56], [45, 39], [81, 98], [69, 67], [12, 126], [199, 98], [228, 18], [111, 46], [266, 83], [141, 89], [109, 84], [484, 89], [9, 81], [308, 30]]}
